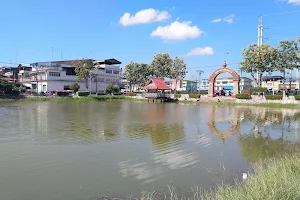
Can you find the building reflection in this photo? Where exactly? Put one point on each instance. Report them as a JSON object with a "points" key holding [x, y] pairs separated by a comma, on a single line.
{"points": [[228, 115]]}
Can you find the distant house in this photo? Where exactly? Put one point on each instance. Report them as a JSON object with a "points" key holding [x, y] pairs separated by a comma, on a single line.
{"points": [[156, 89], [59, 75]]}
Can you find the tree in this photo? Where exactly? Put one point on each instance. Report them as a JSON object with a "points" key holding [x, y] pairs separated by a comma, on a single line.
{"points": [[116, 89], [109, 88], [177, 70], [259, 59], [161, 65], [75, 87], [289, 56], [130, 73], [82, 70]]}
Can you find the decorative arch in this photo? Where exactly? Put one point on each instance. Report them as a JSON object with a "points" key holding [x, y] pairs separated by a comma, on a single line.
{"points": [[223, 134], [224, 69]]}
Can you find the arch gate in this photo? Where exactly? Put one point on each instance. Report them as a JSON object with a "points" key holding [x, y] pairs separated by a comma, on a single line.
{"points": [[224, 69]]}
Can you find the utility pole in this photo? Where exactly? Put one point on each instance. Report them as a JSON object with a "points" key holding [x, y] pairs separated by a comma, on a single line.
{"points": [[200, 73], [259, 42]]}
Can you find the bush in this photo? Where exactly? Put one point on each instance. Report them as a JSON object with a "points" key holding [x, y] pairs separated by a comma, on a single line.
{"points": [[62, 93], [75, 87], [243, 96], [177, 96], [131, 94], [297, 97], [83, 93], [194, 96], [256, 90], [273, 97]]}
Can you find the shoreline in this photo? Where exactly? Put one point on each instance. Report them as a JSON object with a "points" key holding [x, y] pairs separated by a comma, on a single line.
{"points": [[209, 101]]}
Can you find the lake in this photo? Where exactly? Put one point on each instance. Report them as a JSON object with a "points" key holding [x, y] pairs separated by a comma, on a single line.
{"points": [[79, 150]]}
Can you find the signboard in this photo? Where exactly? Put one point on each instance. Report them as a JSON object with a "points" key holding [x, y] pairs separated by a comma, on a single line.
{"points": [[269, 84]]}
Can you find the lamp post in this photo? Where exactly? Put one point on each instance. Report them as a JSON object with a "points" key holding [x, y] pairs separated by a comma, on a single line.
{"points": [[200, 73]]}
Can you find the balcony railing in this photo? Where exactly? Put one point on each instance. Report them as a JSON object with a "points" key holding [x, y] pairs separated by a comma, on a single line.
{"points": [[156, 95]]}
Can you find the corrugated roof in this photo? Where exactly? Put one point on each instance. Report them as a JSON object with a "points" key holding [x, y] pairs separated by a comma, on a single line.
{"points": [[156, 84]]}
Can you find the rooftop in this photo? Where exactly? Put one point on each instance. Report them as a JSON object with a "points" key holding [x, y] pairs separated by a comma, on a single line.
{"points": [[111, 61]]}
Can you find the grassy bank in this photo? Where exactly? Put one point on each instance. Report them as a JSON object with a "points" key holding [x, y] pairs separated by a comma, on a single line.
{"points": [[276, 178], [123, 98]]}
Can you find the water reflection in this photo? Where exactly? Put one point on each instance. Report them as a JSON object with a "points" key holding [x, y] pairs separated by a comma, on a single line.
{"points": [[133, 146]]}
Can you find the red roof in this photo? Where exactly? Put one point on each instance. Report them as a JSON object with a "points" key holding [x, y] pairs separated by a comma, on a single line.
{"points": [[156, 84]]}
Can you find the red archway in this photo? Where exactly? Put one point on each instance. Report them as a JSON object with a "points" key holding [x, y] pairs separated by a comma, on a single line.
{"points": [[224, 69]]}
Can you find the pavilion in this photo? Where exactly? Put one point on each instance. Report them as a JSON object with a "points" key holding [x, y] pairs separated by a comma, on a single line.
{"points": [[156, 89]]}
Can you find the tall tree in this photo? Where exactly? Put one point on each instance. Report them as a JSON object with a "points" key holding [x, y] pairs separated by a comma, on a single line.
{"points": [[259, 59], [289, 56], [83, 71], [177, 70], [161, 65], [143, 74], [130, 73]]}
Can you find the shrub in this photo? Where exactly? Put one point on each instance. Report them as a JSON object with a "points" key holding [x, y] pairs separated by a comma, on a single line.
{"points": [[256, 90], [273, 97], [62, 93], [177, 96], [83, 93], [131, 94], [194, 95], [243, 96], [75, 87], [297, 97]]}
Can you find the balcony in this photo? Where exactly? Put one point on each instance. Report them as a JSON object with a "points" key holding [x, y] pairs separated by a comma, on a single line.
{"points": [[157, 96]]}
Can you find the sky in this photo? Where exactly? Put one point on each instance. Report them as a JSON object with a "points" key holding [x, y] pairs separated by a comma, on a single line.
{"points": [[204, 33]]}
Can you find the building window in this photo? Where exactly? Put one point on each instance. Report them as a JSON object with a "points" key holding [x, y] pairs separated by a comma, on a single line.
{"points": [[100, 80], [218, 82], [109, 71], [224, 82], [44, 88], [116, 72], [67, 87], [70, 71], [57, 74]]}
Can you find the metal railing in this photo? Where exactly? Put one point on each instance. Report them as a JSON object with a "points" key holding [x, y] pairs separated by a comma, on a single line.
{"points": [[156, 95]]}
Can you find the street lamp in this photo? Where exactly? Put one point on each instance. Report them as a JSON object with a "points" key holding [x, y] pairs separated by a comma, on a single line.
{"points": [[200, 73]]}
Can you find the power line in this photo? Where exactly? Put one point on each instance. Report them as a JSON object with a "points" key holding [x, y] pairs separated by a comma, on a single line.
{"points": [[283, 13], [208, 66]]}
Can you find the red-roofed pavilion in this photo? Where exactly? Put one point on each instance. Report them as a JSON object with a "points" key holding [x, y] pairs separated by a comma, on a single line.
{"points": [[156, 88]]}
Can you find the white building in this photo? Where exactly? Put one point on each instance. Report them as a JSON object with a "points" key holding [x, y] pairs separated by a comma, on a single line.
{"points": [[59, 75]]}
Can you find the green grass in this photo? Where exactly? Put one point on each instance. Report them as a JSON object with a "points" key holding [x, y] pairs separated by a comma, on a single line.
{"points": [[268, 105], [276, 178]]}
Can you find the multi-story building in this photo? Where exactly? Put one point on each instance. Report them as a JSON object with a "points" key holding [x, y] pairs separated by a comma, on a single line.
{"points": [[277, 83], [227, 84], [59, 75], [9, 73], [204, 84], [182, 85]]}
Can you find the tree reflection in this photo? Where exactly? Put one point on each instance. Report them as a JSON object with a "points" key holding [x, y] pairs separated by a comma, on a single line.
{"points": [[263, 141]]}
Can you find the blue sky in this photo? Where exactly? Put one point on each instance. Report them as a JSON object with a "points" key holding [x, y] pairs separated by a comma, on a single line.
{"points": [[215, 30]]}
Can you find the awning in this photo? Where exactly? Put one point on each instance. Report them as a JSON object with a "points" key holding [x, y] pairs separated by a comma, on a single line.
{"points": [[228, 87]]}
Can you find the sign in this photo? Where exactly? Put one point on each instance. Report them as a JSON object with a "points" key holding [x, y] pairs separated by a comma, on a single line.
{"points": [[269, 84]]}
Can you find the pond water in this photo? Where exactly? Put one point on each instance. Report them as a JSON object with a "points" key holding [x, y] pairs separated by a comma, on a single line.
{"points": [[79, 150]]}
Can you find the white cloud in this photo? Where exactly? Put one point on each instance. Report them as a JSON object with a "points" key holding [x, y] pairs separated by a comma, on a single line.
{"points": [[144, 17], [177, 31], [229, 19], [198, 51], [295, 2]]}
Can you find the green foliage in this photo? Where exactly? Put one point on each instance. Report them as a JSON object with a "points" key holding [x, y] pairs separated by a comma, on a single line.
{"points": [[116, 89], [62, 93], [194, 96], [161, 65], [83, 93], [83, 70], [131, 94], [297, 97], [177, 70], [109, 88], [259, 59], [289, 51], [243, 96], [273, 97], [5, 86], [256, 90], [177, 96], [105, 98], [75, 87]]}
